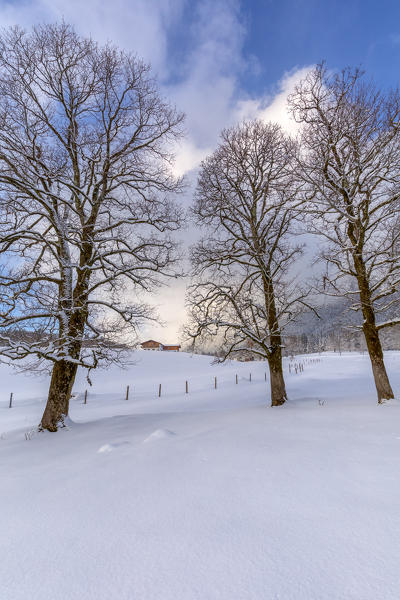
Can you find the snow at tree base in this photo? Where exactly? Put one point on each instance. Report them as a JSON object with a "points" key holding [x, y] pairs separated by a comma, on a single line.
{"points": [[210, 495]]}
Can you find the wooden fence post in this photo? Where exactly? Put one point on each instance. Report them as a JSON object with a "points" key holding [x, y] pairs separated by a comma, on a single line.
{"points": [[236, 378], [159, 390], [85, 400], [186, 387], [127, 392], [215, 383], [11, 399], [250, 377]]}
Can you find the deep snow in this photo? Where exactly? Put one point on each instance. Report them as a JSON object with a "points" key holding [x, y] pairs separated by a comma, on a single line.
{"points": [[210, 495]]}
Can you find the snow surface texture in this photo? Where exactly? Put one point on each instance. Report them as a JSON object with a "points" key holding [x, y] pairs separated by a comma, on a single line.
{"points": [[209, 495]]}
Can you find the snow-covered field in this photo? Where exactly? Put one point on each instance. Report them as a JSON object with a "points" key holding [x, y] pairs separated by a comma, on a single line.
{"points": [[207, 496]]}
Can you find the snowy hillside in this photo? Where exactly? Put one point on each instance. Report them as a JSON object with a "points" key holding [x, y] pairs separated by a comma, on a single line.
{"points": [[210, 495]]}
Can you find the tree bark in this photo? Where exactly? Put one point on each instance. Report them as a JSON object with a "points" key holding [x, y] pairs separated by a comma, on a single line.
{"points": [[64, 371], [62, 381], [382, 384], [371, 334], [278, 389]]}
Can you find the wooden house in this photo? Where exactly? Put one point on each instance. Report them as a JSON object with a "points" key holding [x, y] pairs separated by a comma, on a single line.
{"points": [[153, 345]]}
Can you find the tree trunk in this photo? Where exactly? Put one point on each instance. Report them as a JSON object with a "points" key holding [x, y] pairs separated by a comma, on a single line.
{"points": [[371, 333], [62, 380], [64, 371], [382, 384], [278, 389]]}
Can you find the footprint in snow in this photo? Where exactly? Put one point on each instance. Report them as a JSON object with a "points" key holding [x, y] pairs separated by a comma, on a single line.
{"points": [[159, 434], [111, 447]]}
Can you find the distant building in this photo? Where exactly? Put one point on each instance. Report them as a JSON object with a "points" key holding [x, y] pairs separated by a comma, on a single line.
{"points": [[153, 345]]}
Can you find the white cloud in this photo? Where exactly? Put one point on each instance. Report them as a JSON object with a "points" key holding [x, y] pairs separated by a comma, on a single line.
{"points": [[210, 71], [219, 108], [189, 156], [274, 107], [141, 26]]}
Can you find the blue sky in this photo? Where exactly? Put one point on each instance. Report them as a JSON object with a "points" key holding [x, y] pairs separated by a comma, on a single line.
{"points": [[288, 33], [280, 36], [221, 61]]}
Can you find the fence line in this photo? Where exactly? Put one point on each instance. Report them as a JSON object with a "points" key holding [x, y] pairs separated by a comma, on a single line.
{"points": [[294, 368]]}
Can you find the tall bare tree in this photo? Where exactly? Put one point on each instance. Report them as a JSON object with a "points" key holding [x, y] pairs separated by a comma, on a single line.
{"points": [[244, 287], [350, 169], [85, 201]]}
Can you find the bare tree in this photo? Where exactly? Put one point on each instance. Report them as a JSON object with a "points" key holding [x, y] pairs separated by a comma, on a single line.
{"points": [[85, 201], [244, 288], [350, 168]]}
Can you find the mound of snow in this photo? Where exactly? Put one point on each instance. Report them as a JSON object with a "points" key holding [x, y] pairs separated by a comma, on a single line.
{"points": [[110, 447], [159, 434]]}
